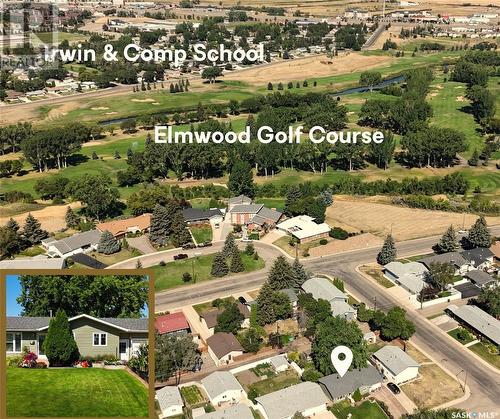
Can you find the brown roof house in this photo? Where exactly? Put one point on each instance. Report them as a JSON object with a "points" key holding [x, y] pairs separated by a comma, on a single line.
{"points": [[119, 228], [223, 348], [209, 318]]}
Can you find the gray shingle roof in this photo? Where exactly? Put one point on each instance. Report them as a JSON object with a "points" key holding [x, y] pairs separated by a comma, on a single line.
{"points": [[338, 387], [454, 258], [239, 411], [219, 382], [285, 403], [196, 214], [323, 288], [25, 323], [341, 308], [169, 396], [241, 199], [292, 295], [278, 361], [478, 255], [480, 278], [33, 263], [264, 215], [395, 359], [77, 241], [247, 208], [478, 319]]}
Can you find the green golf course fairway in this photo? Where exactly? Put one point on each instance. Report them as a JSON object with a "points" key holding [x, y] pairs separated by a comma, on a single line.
{"points": [[74, 392]]}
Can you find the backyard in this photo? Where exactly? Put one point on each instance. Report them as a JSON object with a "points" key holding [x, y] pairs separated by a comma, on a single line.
{"points": [[272, 384], [192, 395], [74, 392], [170, 275], [367, 409]]}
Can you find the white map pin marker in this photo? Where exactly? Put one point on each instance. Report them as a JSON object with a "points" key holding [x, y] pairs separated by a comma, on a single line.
{"points": [[341, 365]]}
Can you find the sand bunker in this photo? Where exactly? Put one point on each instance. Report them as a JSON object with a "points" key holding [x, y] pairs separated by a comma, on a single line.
{"points": [[111, 113], [460, 99], [143, 100], [99, 108]]}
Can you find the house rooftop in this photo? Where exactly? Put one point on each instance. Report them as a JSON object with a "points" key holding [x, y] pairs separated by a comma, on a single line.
{"points": [[340, 308], [264, 215], [480, 278], [478, 319], [395, 359], [323, 288], [278, 361], [77, 241], [210, 317], [478, 256], [241, 199], [33, 263], [247, 208], [286, 402], [454, 258], [291, 294], [169, 396], [119, 227], [197, 214], [337, 386], [219, 382], [239, 411], [410, 275], [223, 344], [303, 226], [172, 322]]}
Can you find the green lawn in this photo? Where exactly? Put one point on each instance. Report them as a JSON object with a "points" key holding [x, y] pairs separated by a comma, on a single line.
{"points": [[41, 38], [202, 233], [170, 275], [74, 392], [365, 410], [488, 355], [454, 334], [191, 395], [278, 203], [278, 382]]}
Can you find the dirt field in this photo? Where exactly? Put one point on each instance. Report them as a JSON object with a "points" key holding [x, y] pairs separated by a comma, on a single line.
{"points": [[51, 218], [406, 223], [352, 243], [309, 67]]}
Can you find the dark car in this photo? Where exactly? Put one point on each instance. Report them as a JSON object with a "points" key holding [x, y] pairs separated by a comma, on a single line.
{"points": [[189, 246], [180, 256], [205, 244], [394, 388]]}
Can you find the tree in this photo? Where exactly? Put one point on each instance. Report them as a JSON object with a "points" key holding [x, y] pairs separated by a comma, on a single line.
{"points": [[381, 154], [395, 325], [272, 305], [370, 79], [479, 236], [77, 294], [229, 246], [108, 243], [174, 355], [211, 73], [60, 345], [251, 340], [241, 180], [447, 243], [72, 220], [474, 160], [482, 103], [333, 332], [10, 242], [162, 222], [250, 249], [388, 252], [280, 275], [186, 277], [236, 264], [298, 274], [441, 274], [229, 320], [489, 301], [179, 233], [32, 230], [219, 265]]}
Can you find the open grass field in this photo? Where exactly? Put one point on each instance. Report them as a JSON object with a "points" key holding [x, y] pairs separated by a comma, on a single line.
{"points": [[454, 334], [170, 275], [487, 354], [192, 395], [367, 409], [55, 38], [74, 392]]}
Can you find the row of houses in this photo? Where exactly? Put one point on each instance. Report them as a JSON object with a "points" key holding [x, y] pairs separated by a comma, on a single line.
{"points": [[307, 398]]}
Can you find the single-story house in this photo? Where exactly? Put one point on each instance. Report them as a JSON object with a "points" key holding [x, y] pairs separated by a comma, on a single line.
{"points": [[481, 279], [342, 309], [482, 324], [170, 401], [279, 363], [306, 398], [238, 200], [174, 323], [238, 411], [337, 388], [461, 264], [410, 276], [304, 229], [120, 228], [209, 318], [292, 296], [495, 249], [200, 216], [77, 243], [223, 348], [117, 337], [479, 258], [35, 262], [265, 217], [395, 364], [223, 387]]}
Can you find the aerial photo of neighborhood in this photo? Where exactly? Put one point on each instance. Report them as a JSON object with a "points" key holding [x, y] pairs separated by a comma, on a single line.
{"points": [[313, 187]]}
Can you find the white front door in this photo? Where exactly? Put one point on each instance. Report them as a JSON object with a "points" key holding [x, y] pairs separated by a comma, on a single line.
{"points": [[124, 349]]}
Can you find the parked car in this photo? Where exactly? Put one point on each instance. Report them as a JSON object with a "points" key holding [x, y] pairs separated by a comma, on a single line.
{"points": [[205, 244], [180, 256], [190, 245], [394, 388]]}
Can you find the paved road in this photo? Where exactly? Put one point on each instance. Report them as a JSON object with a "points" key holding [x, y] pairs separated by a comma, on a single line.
{"points": [[484, 383]]}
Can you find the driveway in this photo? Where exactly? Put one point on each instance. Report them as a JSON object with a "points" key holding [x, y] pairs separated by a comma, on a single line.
{"points": [[142, 244], [197, 326], [396, 406]]}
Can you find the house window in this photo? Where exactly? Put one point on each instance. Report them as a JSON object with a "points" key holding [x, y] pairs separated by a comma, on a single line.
{"points": [[41, 339], [100, 339], [14, 342]]}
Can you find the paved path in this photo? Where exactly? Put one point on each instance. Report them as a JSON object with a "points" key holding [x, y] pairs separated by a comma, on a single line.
{"points": [[142, 244]]}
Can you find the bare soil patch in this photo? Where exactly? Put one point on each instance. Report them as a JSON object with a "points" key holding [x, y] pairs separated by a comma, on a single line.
{"points": [[352, 243]]}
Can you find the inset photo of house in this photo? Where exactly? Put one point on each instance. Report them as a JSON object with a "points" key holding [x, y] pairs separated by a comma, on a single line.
{"points": [[83, 339]]}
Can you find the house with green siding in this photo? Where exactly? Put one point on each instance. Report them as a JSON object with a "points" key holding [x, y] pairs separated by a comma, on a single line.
{"points": [[116, 337]]}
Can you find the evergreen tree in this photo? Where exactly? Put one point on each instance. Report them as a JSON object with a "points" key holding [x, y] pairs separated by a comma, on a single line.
{"points": [[138, 264], [280, 276], [236, 263], [474, 160], [108, 244], [448, 242], [292, 196], [250, 249], [479, 236], [72, 220], [13, 225], [229, 321], [219, 265], [272, 305], [33, 231], [59, 345], [179, 232], [269, 86], [299, 274], [161, 223], [229, 246], [388, 252], [95, 156]]}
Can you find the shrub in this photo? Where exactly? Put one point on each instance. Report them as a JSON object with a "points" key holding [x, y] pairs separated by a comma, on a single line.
{"points": [[186, 277], [29, 360], [357, 395], [40, 365], [322, 242], [60, 346], [338, 233], [162, 263], [14, 361], [311, 374]]}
